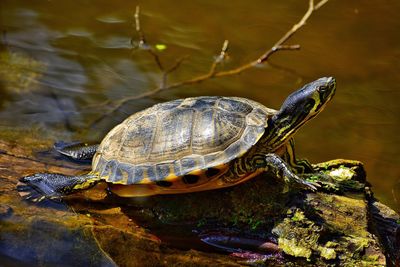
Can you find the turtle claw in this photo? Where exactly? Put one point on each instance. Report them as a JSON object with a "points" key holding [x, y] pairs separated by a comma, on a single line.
{"points": [[29, 193], [53, 186], [35, 188], [312, 185], [299, 182]]}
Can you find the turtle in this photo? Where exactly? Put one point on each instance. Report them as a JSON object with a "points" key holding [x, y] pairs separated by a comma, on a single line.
{"points": [[193, 144]]}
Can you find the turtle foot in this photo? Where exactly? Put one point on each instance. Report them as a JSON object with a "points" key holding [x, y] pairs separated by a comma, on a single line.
{"points": [[77, 151], [29, 193], [38, 187]]}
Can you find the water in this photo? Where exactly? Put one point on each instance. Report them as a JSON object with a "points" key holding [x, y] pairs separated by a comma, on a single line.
{"points": [[75, 56]]}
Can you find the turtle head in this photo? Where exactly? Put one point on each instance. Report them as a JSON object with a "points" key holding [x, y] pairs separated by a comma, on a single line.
{"points": [[299, 107]]}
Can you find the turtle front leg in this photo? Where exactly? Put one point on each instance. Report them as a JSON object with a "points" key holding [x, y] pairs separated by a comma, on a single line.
{"points": [[39, 186], [300, 166], [274, 164], [77, 151]]}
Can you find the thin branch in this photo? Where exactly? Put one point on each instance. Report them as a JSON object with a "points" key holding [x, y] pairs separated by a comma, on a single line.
{"points": [[142, 39], [142, 44], [170, 70], [176, 65], [320, 4], [213, 72], [220, 58]]}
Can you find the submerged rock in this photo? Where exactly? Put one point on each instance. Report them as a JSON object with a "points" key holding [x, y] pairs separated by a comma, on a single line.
{"points": [[5, 211], [255, 222]]}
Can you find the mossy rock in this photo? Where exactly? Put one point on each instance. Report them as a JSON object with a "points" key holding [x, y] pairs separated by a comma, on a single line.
{"points": [[330, 227]]}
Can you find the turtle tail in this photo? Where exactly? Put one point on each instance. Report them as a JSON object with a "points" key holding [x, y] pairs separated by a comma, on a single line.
{"points": [[53, 186]]}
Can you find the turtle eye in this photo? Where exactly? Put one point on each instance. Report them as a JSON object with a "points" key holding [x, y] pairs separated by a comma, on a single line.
{"points": [[322, 89]]}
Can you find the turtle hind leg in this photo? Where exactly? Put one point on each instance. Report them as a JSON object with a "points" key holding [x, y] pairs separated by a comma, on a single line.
{"points": [[53, 186], [76, 151]]}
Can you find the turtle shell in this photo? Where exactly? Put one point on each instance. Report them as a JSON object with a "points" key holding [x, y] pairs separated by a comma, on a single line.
{"points": [[176, 138]]}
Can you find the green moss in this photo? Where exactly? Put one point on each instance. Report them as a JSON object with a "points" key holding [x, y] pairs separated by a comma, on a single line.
{"points": [[298, 216], [373, 260], [342, 173], [241, 205], [358, 243], [298, 236], [327, 253], [313, 178], [294, 248]]}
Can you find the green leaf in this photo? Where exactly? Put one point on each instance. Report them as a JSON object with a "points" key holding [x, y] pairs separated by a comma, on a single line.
{"points": [[160, 47]]}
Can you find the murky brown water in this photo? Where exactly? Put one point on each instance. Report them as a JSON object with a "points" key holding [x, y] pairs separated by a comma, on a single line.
{"points": [[81, 54]]}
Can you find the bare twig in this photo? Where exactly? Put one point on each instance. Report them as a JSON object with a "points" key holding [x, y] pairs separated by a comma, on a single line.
{"points": [[142, 44], [219, 59], [213, 72], [142, 40], [320, 4], [170, 70]]}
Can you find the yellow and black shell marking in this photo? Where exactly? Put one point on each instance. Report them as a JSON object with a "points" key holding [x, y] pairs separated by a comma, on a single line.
{"points": [[182, 143]]}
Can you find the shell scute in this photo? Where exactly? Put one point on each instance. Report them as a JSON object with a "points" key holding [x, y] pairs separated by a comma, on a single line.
{"points": [[198, 104], [251, 133], [232, 105], [163, 170], [171, 139], [138, 137]]}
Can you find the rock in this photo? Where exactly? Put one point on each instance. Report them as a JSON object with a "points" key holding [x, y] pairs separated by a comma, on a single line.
{"points": [[385, 223], [95, 234], [324, 228], [5, 211]]}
